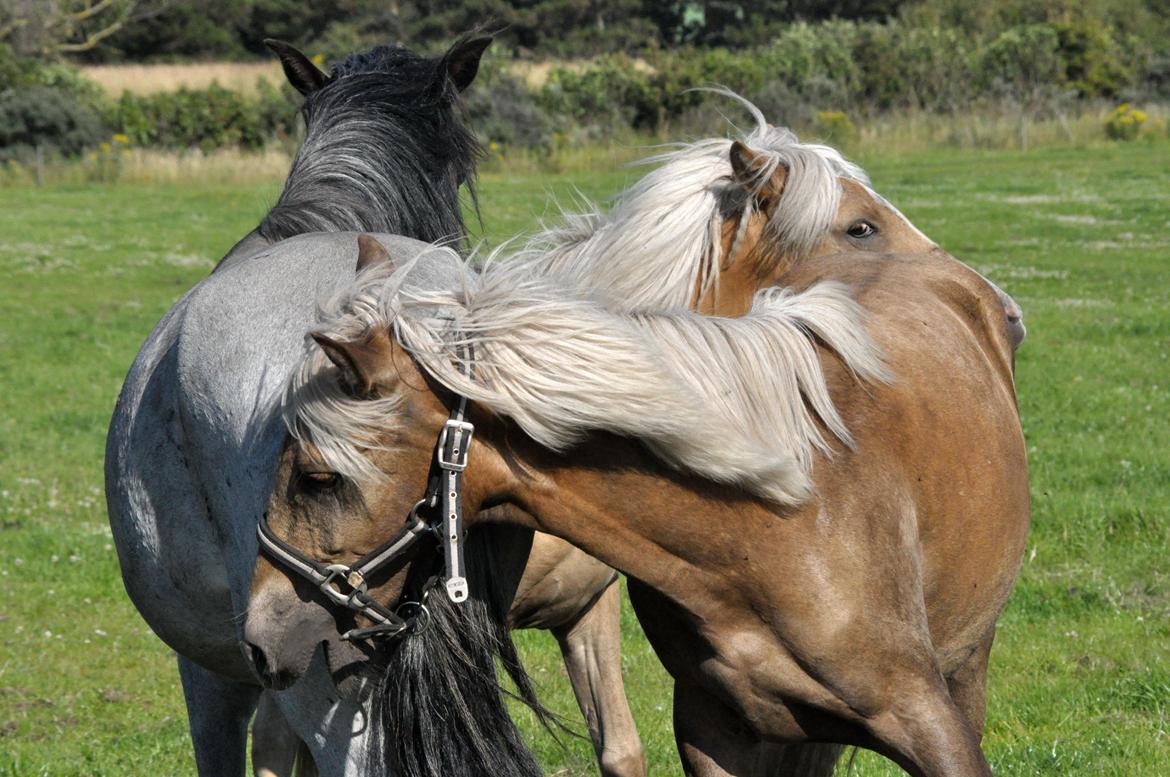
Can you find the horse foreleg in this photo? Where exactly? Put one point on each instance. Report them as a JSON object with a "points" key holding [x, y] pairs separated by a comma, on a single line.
{"points": [[926, 733], [714, 742], [591, 646], [218, 712], [276, 750], [968, 686]]}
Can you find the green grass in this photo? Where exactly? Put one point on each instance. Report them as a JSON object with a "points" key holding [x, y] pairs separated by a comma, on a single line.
{"points": [[1080, 677]]}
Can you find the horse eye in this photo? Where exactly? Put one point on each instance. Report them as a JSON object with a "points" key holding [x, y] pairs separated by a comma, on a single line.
{"points": [[321, 481], [861, 229]]}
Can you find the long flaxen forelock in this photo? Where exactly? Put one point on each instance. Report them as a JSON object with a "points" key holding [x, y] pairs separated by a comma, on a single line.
{"points": [[662, 237], [733, 400], [385, 151]]}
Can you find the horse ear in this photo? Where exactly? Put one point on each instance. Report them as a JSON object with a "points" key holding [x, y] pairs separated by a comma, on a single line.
{"points": [[748, 169], [364, 364], [299, 71], [370, 252], [462, 60]]}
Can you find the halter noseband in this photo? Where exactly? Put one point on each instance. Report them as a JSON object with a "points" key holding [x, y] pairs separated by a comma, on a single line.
{"points": [[443, 503]]}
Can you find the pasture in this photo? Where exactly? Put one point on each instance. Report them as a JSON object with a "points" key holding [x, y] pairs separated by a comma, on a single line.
{"points": [[1080, 675]]}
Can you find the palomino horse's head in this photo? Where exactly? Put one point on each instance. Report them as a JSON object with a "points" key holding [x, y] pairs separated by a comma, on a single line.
{"points": [[719, 219]]}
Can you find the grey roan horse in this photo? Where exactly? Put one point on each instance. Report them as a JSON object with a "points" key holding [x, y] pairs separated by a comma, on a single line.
{"points": [[191, 443]]}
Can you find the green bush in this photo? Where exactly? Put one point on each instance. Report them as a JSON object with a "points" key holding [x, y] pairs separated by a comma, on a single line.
{"points": [[608, 91], [42, 116], [1095, 64], [205, 119], [1021, 62], [503, 111], [834, 127]]}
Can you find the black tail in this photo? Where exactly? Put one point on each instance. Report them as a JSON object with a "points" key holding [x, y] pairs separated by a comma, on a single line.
{"points": [[441, 711]]}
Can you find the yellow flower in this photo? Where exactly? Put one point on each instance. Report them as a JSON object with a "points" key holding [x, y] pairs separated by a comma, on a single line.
{"points": [[318, 59], [121, 139], [105, 147], [493, 146]]}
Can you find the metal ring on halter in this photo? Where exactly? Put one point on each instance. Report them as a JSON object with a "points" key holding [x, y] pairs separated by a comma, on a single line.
{"points": [[419, 620], [351, 577]]}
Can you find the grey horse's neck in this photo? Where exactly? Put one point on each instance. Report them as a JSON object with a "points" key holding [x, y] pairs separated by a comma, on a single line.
{"points": [[250, 245]]}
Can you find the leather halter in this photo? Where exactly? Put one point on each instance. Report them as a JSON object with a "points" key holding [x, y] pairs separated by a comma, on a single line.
{"points": [[443, 506]]}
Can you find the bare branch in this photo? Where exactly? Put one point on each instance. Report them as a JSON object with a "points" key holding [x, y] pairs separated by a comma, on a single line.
{"points": [[91, 11], [12, 27], [90, 40]]}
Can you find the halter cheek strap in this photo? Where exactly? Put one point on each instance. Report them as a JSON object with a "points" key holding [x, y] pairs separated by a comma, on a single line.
{"points": [[451, 457]]}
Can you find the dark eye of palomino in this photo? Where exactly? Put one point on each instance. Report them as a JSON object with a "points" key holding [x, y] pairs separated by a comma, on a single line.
{"points": [[320, 481], [861, 230]]}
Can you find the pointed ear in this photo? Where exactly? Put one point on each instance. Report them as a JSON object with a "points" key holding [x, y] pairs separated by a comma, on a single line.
{"points": [[299, 71], [749, 170], [462, 60], [370, 252], [364, 364]]}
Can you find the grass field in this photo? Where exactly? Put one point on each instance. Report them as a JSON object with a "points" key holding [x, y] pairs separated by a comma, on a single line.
{"points": [[1080, 677]]}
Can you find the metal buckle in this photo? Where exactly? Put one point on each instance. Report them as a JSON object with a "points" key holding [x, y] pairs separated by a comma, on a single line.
{"points": [[348, 575], [458, 462]]}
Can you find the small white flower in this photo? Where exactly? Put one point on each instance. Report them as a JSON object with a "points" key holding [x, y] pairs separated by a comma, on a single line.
{"points": [[100, 633], [18, 562], [48, 634], [54, 558]]}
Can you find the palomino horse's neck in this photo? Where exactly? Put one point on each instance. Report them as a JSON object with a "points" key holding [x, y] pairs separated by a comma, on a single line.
{"points": [[618, 504]]}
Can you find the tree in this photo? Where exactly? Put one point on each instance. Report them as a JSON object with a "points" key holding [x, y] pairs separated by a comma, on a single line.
{"points": [[46, 29]]}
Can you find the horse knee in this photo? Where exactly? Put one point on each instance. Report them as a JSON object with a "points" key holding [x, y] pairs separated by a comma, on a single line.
{"points": [[623, 762]]}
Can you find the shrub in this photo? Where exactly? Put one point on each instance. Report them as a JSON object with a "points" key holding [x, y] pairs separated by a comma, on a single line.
{"points": [[205, 119], [502, 111], [1022, 62], [1124, 122], [834, 127], [609, 91], [1094, 64], [43, 116]]}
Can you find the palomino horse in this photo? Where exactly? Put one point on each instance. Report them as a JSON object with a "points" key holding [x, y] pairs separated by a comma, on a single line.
{"points": [[862, 220], [845, 593]]}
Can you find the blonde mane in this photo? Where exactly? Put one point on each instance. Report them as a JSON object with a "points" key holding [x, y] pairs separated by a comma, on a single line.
{"points": [[662, 235], [733, 400]]}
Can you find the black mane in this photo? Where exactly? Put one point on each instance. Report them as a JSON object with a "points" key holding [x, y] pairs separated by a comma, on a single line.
{"points": [[439, 710], [385, 151]]}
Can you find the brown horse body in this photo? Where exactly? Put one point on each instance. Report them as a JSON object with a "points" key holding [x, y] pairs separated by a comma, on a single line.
{"points": [[864, 616]]}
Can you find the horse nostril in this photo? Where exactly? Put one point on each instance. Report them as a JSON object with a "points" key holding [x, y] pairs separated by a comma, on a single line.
{"points": [[259, 662]]}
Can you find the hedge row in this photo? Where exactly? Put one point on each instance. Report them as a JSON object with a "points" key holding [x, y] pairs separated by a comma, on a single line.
{"points": [[854, 67]]}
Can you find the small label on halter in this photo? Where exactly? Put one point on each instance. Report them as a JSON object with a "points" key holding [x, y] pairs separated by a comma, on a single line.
{"points": [[457, 589]]}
